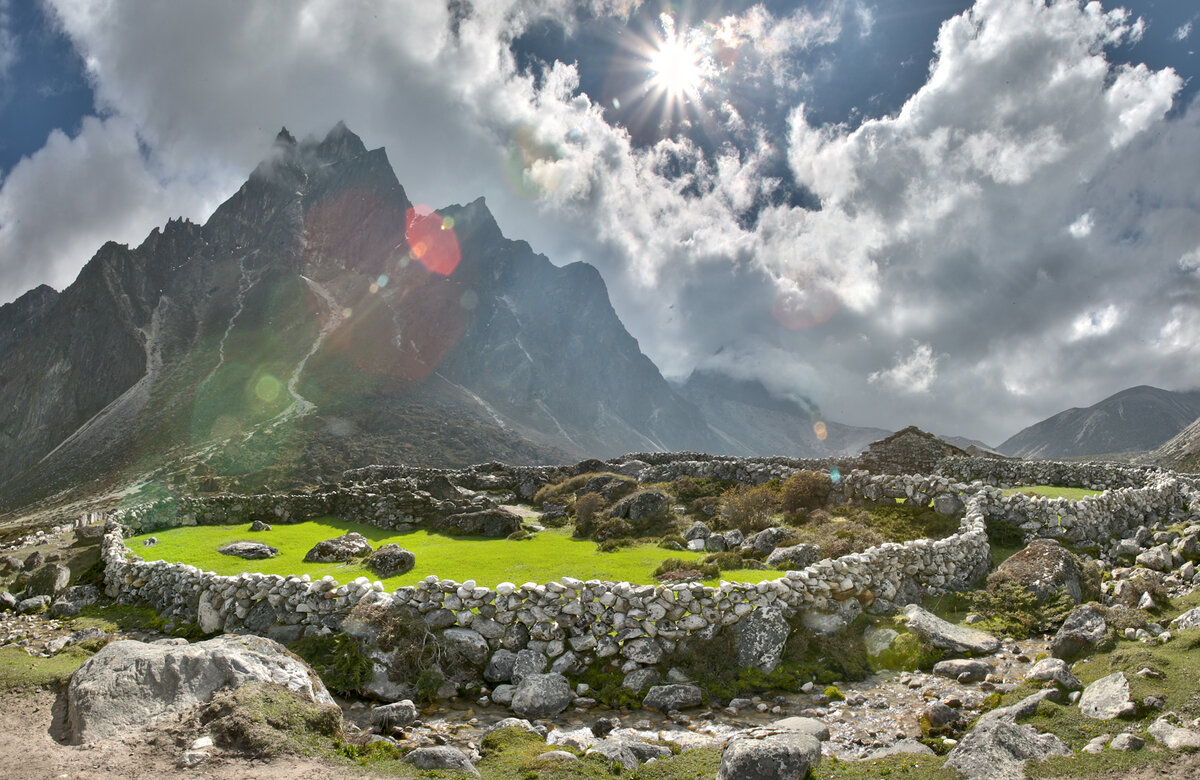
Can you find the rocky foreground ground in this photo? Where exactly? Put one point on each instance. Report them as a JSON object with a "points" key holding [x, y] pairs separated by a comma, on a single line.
{"points": [[1110, 693]]}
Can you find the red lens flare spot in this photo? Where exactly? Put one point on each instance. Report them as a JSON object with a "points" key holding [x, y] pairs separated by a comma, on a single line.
{"points": [[797, 307], [820, 431], [432, 240]]}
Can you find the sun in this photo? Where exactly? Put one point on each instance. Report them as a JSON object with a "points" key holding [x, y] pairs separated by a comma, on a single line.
{"points": [[675, 69]]}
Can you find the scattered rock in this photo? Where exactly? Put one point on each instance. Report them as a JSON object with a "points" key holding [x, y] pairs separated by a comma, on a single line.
{"points": [[962, 669], [698, 530], [768, 539], [1082, 631], [32, 604], [643, 651], [259, 525], [1157, 558], [801, 725], [8, 601], [252, 551], [1173, 737], [1107, 698], [787, 755], [796, 556], [127, 684], [1189, 619], [948, 636], [1127, 741], [1056, 670], [396, 715], [48, 580], [997, 748], [642, 505], [939, 715], [441, 757], [339, 549]]}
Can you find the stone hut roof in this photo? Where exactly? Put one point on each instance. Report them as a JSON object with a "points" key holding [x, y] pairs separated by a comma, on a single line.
{"points": [[909, 451]]}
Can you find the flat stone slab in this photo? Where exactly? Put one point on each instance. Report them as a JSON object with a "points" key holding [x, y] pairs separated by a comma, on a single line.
{"points": [[939, 633], [252, 551], [1107, 698]]}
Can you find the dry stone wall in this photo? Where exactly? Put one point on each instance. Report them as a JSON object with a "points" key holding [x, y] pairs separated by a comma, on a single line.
{"points": [[574, 621]]}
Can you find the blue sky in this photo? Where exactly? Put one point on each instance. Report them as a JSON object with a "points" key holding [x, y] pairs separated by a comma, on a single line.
{"points": [[962, 215]]}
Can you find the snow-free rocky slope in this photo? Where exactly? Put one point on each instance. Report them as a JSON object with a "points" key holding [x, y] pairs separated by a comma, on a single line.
{"points": [[293, 335], [1140, 418]]}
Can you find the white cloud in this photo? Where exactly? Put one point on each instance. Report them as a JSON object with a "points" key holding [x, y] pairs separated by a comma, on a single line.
{"points": [[1183, 31], [913, 374], [8, 41], [940, 226], [1082, 227], [1098, 322]]}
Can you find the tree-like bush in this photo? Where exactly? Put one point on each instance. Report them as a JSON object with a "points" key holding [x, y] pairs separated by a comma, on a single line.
{"points": [[804, 490], [749, 508], [588, 509]]}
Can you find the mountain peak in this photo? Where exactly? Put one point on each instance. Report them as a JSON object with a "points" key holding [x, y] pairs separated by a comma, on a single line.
{"points": [[284, 138], [341, 144]]}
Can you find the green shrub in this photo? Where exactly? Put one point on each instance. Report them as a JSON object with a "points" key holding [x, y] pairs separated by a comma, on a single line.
{"points": [[561, 492], [724, 561], [1003, 533], [429, 682], [706, 571], [1011, 609], [673, 542], [804, 490], [834, 694], [689, 489]]}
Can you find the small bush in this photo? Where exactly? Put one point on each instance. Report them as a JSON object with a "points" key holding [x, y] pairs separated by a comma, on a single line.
{"points": [[724, 561], [338, 661], [267, 720], [749, 508], [689, 489], [1009, 608], [804, 490], [588, 509], [673, 542], [834, 694], [1002, 533]]}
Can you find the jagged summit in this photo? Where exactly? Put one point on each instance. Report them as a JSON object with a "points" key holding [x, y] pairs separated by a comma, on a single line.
{"points": [[284, 138]]}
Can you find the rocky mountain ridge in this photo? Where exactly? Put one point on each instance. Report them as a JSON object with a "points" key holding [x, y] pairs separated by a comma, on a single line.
{"points": [[1133, 420]]}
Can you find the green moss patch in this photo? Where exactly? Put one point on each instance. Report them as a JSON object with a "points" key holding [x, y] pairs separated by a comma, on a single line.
{"points": [[19, 670], [1051, 491], [902, 767], [267, 720]]}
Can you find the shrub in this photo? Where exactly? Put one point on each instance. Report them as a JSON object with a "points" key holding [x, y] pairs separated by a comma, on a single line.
{"points": [[689, 489], [724, 561], [588, 508], [749, 508], [834, 694], [673, 542], [338, 661], [1009, 608], [804, 490]]}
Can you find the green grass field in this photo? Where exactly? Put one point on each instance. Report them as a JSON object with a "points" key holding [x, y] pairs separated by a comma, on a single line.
{"points": [[1052, 491], [550, 555]]}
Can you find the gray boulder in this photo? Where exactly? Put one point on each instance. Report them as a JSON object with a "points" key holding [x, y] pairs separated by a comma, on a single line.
{"points": [[962, 669], [32, 604], [494, 523], [796, 556], [1045, 569], [1080, 633], [392, 716], [640, 678], [643, 650], [128, 684], [939, 633], [339, 549], [1157, 558], [787, 755], [441, 757], [48, 580], [617, 752], [1056, 670], [947, 504], [802, 725], [642, 505], [766, 540], [391, 559], [33, 560], [1107, 698], [759, 638], [541, 696], [997, 748], [8, 601], [1174, 737], [251, 551], [258, 526], [1189, 619], [665, 698], [698, 530], [715, 544], [527, 662]]}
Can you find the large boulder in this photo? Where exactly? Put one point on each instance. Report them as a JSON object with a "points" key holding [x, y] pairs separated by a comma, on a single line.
{"points": [[1107, 698], [963, 669], [642, 505], [468, 645], [795, 556], [391, 559], [766, 540], [1174, 737], [1157, 558], [48, 580], [939, 633], [1082, 631], [339, 549], [395, 715], [251, 551], [1054, 670], [128, 684], [1045, 569], [494, 523], [997, 748], [1189, 619], [759, 638], [541, 696], [787, 755]]}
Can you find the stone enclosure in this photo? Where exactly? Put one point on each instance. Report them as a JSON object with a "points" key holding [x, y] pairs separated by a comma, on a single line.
{"points": [[571, 623]]}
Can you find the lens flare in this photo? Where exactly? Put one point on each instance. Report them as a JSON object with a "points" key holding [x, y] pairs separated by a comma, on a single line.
{"points": [[820, 430], [432, 241], [267, 388], [835, 476], [803, 304], [529, 164]]}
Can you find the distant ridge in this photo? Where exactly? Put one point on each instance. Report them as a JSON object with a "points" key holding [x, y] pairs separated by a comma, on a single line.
{"points": [[1134, 420]]}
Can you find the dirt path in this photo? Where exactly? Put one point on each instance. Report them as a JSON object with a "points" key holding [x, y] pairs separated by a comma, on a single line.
{"points": [[30, 720]]}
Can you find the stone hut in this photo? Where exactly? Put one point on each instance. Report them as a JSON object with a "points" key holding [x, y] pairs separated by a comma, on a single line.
{"points": [[910, 451]]}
